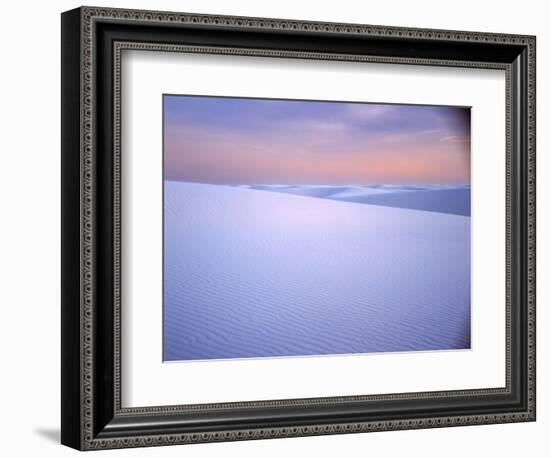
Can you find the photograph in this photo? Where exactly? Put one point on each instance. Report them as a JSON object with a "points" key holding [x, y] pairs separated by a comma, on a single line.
{"points": [[314, 228]]}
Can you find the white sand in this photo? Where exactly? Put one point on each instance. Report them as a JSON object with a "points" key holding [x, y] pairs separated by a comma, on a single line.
{"points": [[251, 273]]}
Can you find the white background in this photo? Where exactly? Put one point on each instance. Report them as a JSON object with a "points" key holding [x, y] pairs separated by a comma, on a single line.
{"points": [[147, 75], [29, 242]]}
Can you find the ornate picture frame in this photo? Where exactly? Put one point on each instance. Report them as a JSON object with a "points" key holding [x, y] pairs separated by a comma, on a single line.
{"points": [[93, 416]]}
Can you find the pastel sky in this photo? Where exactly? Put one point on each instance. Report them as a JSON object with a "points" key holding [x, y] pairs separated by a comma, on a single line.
{"points": [[222, 140]]}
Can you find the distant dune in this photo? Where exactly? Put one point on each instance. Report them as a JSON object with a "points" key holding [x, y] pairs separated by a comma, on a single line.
{"points": [[258, 274], [436, 198]]}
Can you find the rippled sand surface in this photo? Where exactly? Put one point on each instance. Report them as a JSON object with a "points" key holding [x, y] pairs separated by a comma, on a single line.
{"points": [[250, 273]]}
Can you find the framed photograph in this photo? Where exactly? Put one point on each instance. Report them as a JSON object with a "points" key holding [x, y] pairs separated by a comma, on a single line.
{"points": [[276, 228]]}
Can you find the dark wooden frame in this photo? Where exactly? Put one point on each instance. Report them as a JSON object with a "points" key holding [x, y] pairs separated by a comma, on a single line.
{"points": [[92, 42]]}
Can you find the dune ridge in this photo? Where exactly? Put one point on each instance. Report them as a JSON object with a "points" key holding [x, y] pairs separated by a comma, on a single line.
{"points": [[453, 199]]}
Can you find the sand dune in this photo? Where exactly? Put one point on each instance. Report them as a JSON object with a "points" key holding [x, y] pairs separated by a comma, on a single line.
{"points": [[256, 274], [453, 201], [437, 198]]}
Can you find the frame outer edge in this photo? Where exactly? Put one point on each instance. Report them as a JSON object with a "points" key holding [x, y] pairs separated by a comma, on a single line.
{"points": [[71, 325], [308, 26], [88, 193], [532, 225]]}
